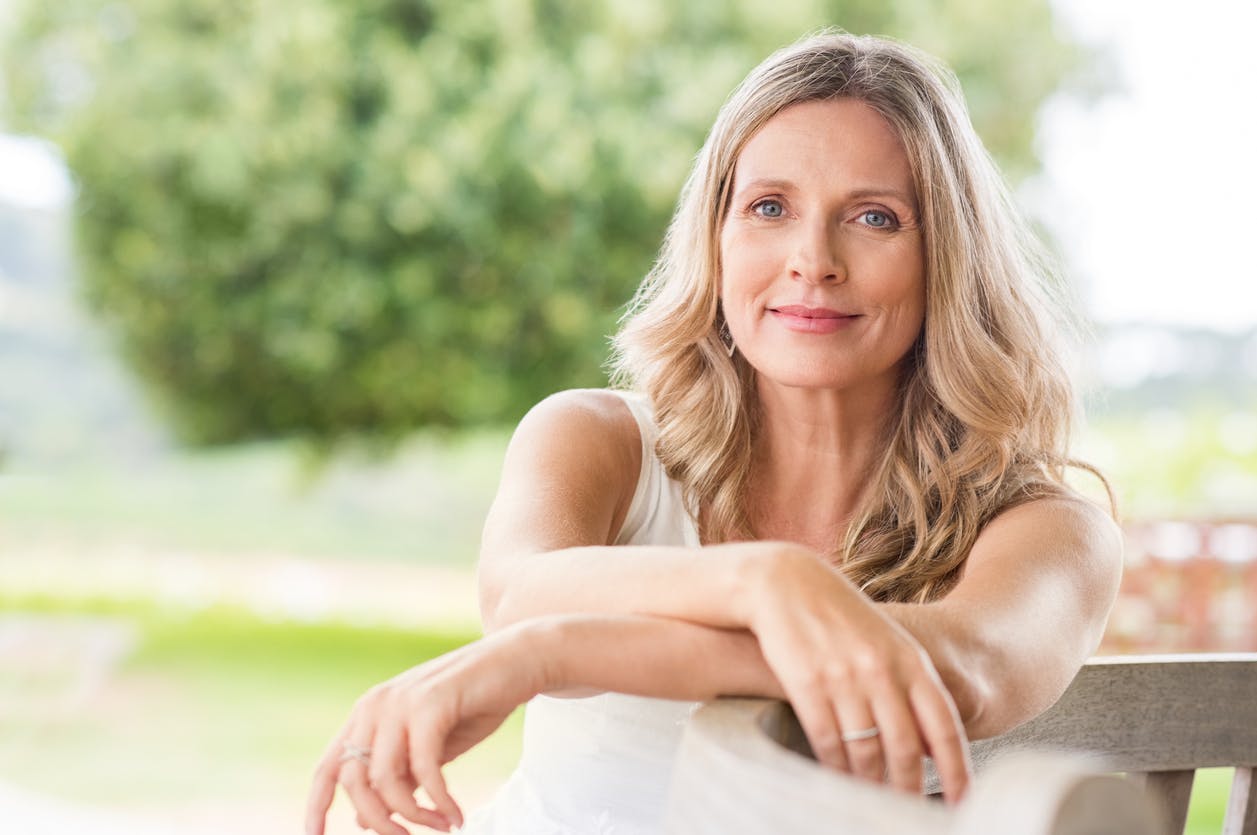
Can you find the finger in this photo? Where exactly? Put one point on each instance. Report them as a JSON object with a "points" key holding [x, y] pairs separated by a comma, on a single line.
{"points": [[323, 787], [816, 716], [944, 738], [901, 741], [864, 753], [426, 744], [372, 811], [390, 776]]}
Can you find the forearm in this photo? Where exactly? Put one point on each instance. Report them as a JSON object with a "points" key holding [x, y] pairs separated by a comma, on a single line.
{"points": [[995, 686], [649, 656], [702, 585], [686, 638]]}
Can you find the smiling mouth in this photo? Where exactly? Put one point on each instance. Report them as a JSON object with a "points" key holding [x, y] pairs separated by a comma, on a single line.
{"points": [[812, 319], [802, 312]]}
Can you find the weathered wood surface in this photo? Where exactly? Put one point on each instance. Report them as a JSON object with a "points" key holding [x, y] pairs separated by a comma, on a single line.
{"points": [[1171, 791], [1149, 713], [1241, 809], [1158, 718], [734, 776], [744, 765]]}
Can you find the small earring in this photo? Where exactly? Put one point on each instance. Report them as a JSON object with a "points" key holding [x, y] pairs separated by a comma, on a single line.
{"points": [[726, 339]]}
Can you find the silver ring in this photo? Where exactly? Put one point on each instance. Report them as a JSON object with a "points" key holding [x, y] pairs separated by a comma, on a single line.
{"points": [[856, 736], [355, 752]]}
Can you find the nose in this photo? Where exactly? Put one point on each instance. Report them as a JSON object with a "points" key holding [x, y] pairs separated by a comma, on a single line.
{"points": [[815, 257]]}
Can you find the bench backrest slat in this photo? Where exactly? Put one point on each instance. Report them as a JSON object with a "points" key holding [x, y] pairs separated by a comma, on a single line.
{"points": [[1241, 810]]}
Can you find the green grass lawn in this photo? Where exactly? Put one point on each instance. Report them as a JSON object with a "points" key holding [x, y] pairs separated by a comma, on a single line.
{"points": [[224, 707], [1208, 804], [214, 707]]}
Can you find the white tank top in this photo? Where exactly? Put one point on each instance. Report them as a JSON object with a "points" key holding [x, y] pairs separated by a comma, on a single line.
{"points": [[601, 765]]}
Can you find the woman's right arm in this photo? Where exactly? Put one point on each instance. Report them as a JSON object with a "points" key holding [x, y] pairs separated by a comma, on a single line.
{"points": [[567, 483]]}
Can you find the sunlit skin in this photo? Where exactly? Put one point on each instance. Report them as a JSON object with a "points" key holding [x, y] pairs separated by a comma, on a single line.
{"points": [[823, 288]]}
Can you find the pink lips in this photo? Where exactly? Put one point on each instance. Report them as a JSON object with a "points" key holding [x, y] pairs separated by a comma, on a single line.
{"points": [[803, 319]]}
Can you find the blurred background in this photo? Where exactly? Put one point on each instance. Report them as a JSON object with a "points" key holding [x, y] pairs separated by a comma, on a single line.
{"points": [[276, 279]]}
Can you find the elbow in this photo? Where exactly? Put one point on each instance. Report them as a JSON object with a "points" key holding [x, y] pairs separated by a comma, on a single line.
{"points": [[985, 687], [973, 693], [491, 598], [990, 703], [967, 671], [502, 605]]}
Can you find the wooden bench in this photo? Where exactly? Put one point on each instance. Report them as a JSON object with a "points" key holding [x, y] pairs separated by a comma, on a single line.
{"points": [[744, 765]]}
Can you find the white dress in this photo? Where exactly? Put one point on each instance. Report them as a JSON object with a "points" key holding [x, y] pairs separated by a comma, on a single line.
{"points": [[601, 765]]}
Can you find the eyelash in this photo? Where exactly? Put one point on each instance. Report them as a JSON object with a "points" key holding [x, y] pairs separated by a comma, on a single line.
{"points": [[892, 222], [758, 204]]}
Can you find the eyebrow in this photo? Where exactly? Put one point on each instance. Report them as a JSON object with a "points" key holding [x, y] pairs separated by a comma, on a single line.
{"points": [[862, 193]]}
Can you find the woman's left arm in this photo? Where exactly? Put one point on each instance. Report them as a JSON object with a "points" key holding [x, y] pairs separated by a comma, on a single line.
{"points": [[1028, 611]]}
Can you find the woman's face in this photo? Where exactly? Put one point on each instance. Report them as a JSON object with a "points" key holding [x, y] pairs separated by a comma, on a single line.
{"points": [[822, 263]]}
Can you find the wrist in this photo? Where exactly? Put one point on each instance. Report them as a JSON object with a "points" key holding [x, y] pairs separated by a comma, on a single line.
{"points": [[547, 642], [758, 571]]}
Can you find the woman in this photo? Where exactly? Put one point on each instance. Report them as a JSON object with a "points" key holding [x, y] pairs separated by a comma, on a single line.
{"points": [[834, 475]]}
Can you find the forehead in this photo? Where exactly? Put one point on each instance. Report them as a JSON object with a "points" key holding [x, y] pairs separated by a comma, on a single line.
{"points": [[834, 143]]}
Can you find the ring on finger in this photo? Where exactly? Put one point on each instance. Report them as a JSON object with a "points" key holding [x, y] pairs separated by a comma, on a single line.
{"points": [[355, 752], [856, 736]]}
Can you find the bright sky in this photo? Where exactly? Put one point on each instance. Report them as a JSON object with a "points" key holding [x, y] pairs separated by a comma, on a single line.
{"points": [[31, 173], [1152, 191]]}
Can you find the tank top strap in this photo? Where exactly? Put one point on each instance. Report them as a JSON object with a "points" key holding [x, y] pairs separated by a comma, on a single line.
{"points": [[644, 413], [657, 514]]}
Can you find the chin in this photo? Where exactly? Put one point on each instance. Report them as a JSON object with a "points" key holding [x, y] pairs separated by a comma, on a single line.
{"points": [[827, 373], [808, 375]]}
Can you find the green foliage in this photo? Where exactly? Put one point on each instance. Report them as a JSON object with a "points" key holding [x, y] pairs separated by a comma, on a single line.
{"points": [[320, 218], [1197, 463]]}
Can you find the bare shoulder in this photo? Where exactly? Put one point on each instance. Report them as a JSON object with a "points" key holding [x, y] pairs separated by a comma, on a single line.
{"points": [[582, 424], [568, 480], [1071, 517], [585, 406], [574, 461], [1066, 532]]}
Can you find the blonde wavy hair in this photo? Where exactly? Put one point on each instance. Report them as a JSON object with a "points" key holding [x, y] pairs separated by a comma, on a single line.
{"points": [[986, 403]]}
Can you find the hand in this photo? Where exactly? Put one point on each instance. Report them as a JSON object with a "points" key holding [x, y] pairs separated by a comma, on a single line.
{"points": [[401, 732], [848, 669]]}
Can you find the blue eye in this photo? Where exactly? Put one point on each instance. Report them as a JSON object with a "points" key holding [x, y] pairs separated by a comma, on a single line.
{"points": [[769, 208], [877, 219]]}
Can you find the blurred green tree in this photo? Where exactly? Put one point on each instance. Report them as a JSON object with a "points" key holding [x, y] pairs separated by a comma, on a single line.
{"points": [[321, 218]]}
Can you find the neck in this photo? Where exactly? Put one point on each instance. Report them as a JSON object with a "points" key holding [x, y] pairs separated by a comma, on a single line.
{"points": [[813, 459]]}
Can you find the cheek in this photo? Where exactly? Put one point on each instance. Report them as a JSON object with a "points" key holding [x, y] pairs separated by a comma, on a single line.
{"points": [[746, 260], [912, 307], [907, 287], [914, 320], [733, 272], [897, 288]]}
